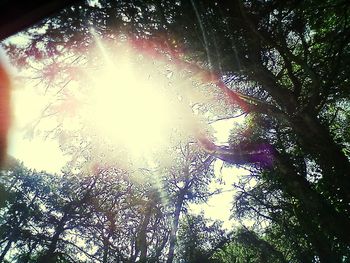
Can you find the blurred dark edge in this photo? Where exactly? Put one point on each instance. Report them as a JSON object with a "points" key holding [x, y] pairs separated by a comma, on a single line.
{"points": [[17, 15]]}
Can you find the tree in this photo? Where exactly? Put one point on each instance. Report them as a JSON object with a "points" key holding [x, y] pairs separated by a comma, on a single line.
{"points": [[271, 182], [283, 64], [21, 209], [186, 181], [246, 246], [199, 238]]}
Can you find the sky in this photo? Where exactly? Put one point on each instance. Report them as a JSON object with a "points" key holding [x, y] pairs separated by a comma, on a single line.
{"points": [[35, 152]]}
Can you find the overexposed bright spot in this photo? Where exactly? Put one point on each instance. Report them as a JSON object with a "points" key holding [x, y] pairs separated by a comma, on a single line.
{"points": [[127, 108], [130, 103], [28, 106], [37, 153]]}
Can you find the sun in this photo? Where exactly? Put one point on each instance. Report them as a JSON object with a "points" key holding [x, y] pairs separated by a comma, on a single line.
{"points": [[128, 103], [132, 103]]}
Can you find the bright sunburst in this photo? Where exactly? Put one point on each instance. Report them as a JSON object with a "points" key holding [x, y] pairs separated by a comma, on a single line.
{"points": [[128, 104], [129, 109]]}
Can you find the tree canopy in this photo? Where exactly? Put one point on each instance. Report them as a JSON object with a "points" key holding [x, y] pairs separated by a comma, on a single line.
{"points": [[283, 65]]}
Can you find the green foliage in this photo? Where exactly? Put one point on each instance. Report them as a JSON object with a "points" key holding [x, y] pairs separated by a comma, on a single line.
{"points": [[248, 247], [198, 239]]}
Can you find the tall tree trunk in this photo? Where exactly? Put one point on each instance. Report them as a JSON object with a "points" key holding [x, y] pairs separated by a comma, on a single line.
{"points": [[172, 237]]}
